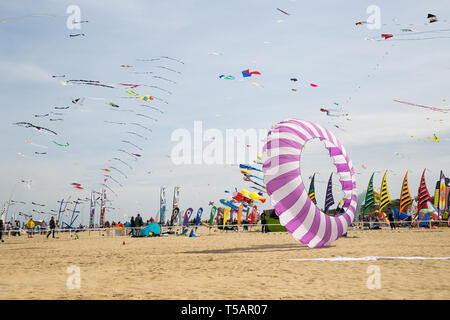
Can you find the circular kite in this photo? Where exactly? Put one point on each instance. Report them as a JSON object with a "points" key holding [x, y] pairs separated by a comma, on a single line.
{"points": [[289, 197]]}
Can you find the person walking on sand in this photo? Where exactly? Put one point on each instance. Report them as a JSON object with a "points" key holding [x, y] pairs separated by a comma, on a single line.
{"points": [[1, 230], [391, 221], [264, 227], [30, 227], [139, 224], [52, 226]]}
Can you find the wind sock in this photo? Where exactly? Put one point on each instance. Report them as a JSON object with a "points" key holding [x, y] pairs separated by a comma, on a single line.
{"points": [[442, 189], [199, 216], [370, 196], [329, 201], [311, 192], [405, 197], [225, 216], [384, 195], [212, 215], [424, 196], [239, 215]]}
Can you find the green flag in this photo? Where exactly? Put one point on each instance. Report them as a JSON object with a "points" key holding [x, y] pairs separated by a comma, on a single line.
{"points": [[370, 196]]}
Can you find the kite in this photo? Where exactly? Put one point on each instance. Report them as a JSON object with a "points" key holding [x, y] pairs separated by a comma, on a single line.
{"points": [[145, 98], [257, 84], [283, 11], [121, 150], [114, 122], [59, 119], [230, 77], [125, 66], [247, 73], [40, 152], [158, 77], [328, 112], [432, 18], [119, 171], [78, 101], [107, 175], [37, 204], [107, 170], [61, 108], [168, 69], [36, 145], [117, 159], [78, 187], [422, 106], [144, 105], [130, 132], [143, 115], [164, 57], [406, 30], [76, 35], [113, 105], [30, 125], [247, 167], [313, 85], [282, 177], [126, 141], [41, 115], [435, 138], [140, 125], [294, 89], [132, 86], [387, 35], [156, 87]]}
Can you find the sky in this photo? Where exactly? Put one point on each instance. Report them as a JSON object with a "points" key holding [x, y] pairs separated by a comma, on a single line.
{"points": [[318, 42]]}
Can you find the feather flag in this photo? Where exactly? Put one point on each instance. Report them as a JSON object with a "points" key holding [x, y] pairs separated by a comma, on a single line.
{"points": [[384, 195], [311, 192], [329, 201], [442, 189], [424, 196], [370, 196], [405, 197], [436, 193]]}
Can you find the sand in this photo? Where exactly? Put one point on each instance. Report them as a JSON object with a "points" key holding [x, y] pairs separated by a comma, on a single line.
{"points": [[221, 265]]}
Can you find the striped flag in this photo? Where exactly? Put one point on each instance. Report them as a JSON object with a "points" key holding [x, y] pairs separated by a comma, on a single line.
{"points": [[384, 195], [442, 189], [329, 201], [424, 196], [311, 192], [405, 197], [370, 196]]}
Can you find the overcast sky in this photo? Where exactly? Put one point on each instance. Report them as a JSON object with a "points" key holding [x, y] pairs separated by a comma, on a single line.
{"points": [[317, 42]]}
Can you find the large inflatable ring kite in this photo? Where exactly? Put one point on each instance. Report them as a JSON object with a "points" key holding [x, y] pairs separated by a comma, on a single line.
{"points": [[281, 168]]}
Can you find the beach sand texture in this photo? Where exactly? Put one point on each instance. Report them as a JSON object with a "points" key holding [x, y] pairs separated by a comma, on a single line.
{"points": [[218, 265]]}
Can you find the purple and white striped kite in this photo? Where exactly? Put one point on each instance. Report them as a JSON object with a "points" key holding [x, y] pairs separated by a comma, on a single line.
{"points": [[300, 216]]}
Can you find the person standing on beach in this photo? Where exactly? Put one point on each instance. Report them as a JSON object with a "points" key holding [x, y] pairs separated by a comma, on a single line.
{"points": [[391, 221], [52, 226], [264, 228], [139, 224], [1, 230], [132, 225], [30, 227]]}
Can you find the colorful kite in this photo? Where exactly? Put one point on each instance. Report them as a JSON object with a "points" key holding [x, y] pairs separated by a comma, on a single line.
{"points": [[145, 98], [247, 73], [282, 177]]}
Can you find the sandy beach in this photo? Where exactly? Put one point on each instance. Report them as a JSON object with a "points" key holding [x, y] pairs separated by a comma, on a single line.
{"points": [[219, 265]]}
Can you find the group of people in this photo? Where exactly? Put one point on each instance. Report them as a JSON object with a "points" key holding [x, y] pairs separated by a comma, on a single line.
{"points": [[29, 226]]}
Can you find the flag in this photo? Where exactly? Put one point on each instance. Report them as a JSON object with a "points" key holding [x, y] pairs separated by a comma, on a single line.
{"points": [[384, 195], [405, 197], [311, 192], [102, 207], [436, 193], [92, 211], [442, 189], [424, 196], [329, 201], [176, 195], [370, 196], [162, 205]]}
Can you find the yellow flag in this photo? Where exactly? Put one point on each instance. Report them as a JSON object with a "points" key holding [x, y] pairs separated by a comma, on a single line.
{"points": [[226, 212]]}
